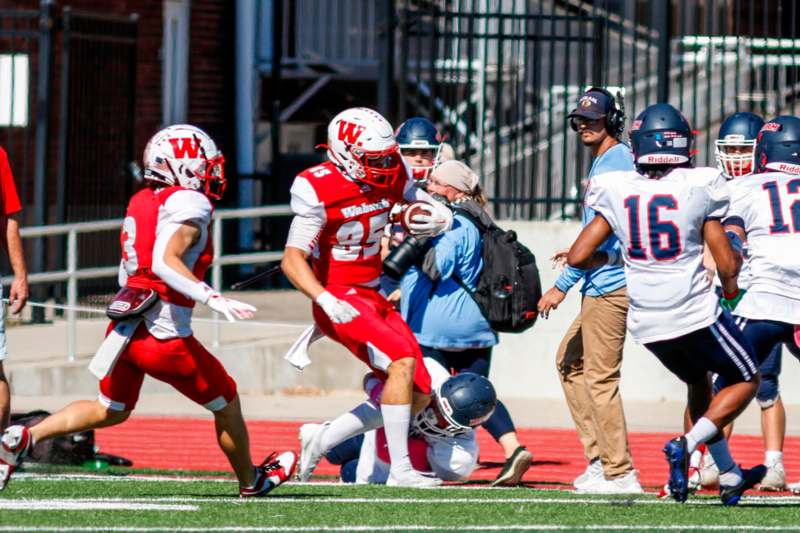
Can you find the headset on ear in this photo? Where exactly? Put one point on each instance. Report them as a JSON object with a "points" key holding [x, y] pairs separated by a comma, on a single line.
{"points": [[615, 118]]}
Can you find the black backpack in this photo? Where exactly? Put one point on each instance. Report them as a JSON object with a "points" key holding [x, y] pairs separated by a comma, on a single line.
{"points": [[508, 288]]}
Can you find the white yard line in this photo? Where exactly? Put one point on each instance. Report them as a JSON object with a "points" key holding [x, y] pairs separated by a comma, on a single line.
{"points": [[280, 500], [487, 527], [90, 505], [32, 476]]}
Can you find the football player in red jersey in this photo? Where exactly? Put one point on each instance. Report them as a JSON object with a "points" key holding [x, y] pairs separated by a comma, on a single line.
{"points": [[341, 208], [166, 250]]}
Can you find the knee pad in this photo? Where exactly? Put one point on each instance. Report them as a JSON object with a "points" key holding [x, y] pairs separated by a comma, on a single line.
{"points": [[768, 391]]}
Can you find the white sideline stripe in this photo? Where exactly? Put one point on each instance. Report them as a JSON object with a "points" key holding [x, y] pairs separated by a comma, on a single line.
{"points": [[31, 476], [90, 505], [410, 527], [753, 500]]}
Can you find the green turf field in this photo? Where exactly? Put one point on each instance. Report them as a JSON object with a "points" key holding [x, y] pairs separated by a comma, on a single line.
{"points": [[55, 502]]}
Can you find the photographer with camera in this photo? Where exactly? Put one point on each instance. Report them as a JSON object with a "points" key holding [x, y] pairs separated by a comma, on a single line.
{"points": [[437, 274]]}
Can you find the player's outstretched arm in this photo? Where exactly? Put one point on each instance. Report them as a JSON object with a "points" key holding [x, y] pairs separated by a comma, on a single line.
{"points": [[582, 253], [727, 260], [171, 245]]}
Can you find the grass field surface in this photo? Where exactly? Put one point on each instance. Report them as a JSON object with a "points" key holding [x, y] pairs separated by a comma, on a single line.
{"points": [[165, 501]]}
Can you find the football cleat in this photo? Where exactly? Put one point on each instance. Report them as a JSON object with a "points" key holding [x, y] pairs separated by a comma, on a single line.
{"points": [[750, 478], [678, 459], [694, 483], [15, 444], [310, 448], [795, 488], [413, 479], [514, 468], [274, 471], [775, 478]]}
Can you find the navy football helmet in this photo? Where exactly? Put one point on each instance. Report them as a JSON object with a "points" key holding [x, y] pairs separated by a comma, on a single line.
{"points": [[778, 145], [735, 147], [415, 136], [661, 136], [463, 402]]}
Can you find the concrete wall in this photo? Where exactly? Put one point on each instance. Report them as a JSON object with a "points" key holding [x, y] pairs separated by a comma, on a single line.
{"points": [[524, 364]]}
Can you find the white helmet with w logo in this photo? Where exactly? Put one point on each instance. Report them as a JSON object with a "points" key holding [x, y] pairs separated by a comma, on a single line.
{"points": [[185, 155], [361, 142]]}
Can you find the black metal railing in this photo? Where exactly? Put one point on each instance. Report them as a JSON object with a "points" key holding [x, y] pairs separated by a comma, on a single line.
{"points": [[500, 76]]}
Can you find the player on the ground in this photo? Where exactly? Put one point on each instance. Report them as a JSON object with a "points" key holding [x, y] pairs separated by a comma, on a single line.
{"points": [[442, 437], [765, 212], [420, 146], [341, 208], [662, 213], [166, 250]]}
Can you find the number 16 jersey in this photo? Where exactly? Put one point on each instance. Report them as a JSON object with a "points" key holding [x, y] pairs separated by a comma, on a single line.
{"points": [[660, 225]]}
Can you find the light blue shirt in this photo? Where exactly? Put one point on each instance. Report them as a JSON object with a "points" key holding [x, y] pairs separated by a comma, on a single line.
{"points": [[443, 315], [605, 279]]}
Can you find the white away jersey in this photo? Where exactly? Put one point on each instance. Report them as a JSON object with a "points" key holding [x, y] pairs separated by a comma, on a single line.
{"points": [[660, 225], [767, 207]]}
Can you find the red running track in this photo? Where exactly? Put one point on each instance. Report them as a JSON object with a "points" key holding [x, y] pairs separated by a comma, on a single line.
{"points": [[189, 443]]}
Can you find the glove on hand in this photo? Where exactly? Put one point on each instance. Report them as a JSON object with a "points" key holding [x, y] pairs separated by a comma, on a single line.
{"points": [[339, 311]]}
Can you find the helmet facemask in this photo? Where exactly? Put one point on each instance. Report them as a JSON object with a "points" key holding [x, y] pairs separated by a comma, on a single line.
{"points": [[735, 157], [378, 169], [434, 422], [211, 173], [421, 173]]}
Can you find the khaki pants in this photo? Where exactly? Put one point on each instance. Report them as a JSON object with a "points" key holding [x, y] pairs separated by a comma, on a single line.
{"points": [[588, 362]]}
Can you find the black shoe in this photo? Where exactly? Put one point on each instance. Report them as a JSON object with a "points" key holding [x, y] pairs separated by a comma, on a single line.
{"points": [[750, 478], [515, 467]]}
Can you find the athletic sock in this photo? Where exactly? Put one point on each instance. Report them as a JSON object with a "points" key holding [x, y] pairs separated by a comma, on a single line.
{"points": [[773, 456], [696, 458], [729, 473], [361, 419], [703, 430], [396, 420]]}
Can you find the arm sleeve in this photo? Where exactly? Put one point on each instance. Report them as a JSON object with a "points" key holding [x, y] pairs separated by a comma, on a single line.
{"points": [[196, 290], [182, 207], [447, 248], [569, 277], [309, 216]]}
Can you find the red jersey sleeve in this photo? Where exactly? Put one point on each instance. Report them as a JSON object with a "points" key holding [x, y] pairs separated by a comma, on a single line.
{"points": [[9, 200]]}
